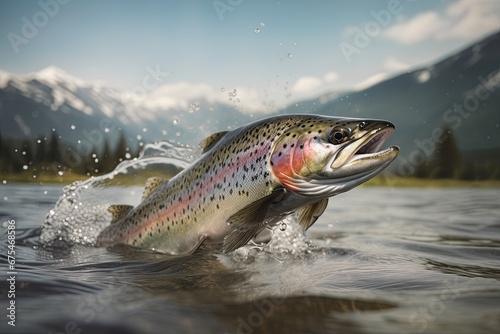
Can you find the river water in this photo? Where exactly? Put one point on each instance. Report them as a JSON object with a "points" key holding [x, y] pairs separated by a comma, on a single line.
{"points": [[379, 260]]}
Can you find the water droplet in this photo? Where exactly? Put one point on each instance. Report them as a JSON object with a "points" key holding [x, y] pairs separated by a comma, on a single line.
{"points": [[25, 167], [45, 192], [35, 247], [262, 24], [222, 89], [139, 137], [5, 198], [60, 173], [73, 127], [94, 155], [128, 155], [144, 129], [39, 141], [96, 160], [283, 226], [164, 132], [194, 107], [4, 181], [106, 130], [289, 55], [175, 121], [257, 30]]}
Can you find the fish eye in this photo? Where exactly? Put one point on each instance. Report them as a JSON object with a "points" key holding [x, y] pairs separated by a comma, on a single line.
{"points": [[339, 135], [362, 125]]}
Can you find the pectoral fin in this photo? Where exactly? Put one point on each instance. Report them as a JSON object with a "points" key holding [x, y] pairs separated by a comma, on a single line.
{"points": [[119, 211], [248, 221], [152, 184], [310, 213]]}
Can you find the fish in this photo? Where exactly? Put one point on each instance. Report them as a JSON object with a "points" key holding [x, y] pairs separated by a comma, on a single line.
{"points": [[249, 179]]}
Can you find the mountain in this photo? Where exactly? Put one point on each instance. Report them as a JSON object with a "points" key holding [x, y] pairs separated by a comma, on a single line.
{"points": [[461, 92], [35, 105]]}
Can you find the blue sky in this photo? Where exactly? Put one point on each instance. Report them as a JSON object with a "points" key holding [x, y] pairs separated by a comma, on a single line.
{"points": [[276, 50]]}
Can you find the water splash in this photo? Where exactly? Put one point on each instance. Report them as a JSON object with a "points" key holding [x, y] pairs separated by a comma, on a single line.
{"points": [[285, 241], [81, 212]]}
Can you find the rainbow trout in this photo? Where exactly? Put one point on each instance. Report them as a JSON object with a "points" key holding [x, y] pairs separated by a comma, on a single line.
{"points": [[250, 178]]}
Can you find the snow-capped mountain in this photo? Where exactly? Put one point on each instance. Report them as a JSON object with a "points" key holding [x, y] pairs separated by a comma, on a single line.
{"points": [[462, 92], [36, 104]]}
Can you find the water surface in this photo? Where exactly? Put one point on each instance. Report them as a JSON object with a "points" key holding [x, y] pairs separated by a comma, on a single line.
{"points": [[380, 260]]}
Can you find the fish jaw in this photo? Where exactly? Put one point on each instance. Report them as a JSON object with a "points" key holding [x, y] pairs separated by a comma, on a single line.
{"points": [[328, 160]]}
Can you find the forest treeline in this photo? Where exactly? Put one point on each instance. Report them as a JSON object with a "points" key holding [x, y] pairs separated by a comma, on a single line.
{"points": [[447, 162], [52, 155]]}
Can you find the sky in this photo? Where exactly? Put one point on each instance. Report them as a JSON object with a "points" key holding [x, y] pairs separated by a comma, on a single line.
{"points": [[272, 52]]}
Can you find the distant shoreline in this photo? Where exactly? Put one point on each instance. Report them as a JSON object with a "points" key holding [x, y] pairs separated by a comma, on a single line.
{"points": [[379, 181]]}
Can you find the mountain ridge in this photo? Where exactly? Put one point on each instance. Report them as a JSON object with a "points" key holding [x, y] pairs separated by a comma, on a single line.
{"points": [[418, 102]]}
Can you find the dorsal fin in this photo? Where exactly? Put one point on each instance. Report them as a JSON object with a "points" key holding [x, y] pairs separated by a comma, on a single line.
{"points": [[310, 213], [119, 211], [152, 184], [248, 221], [210, 141]]}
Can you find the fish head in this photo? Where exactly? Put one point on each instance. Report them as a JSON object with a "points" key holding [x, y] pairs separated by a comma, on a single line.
{"points": [[324, 156]]}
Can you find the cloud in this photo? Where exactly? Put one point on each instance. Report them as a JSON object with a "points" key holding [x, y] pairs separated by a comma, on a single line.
{"points": [[182, 95], [393, 64], [374, 79], [472, 18], [312, 84], [179, 95], [463, 19], [307, 84], [421, 27], [330, 77]]}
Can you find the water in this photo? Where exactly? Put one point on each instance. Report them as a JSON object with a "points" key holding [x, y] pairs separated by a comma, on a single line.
{"points": [[380, 260]]}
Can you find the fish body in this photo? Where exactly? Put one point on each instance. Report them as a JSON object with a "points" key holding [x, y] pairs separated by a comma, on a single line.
{"points": [[250, 178]]}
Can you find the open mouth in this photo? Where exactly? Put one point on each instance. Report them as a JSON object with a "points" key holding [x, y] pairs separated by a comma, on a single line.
{"points": [[367, 149], [375, 142]]}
